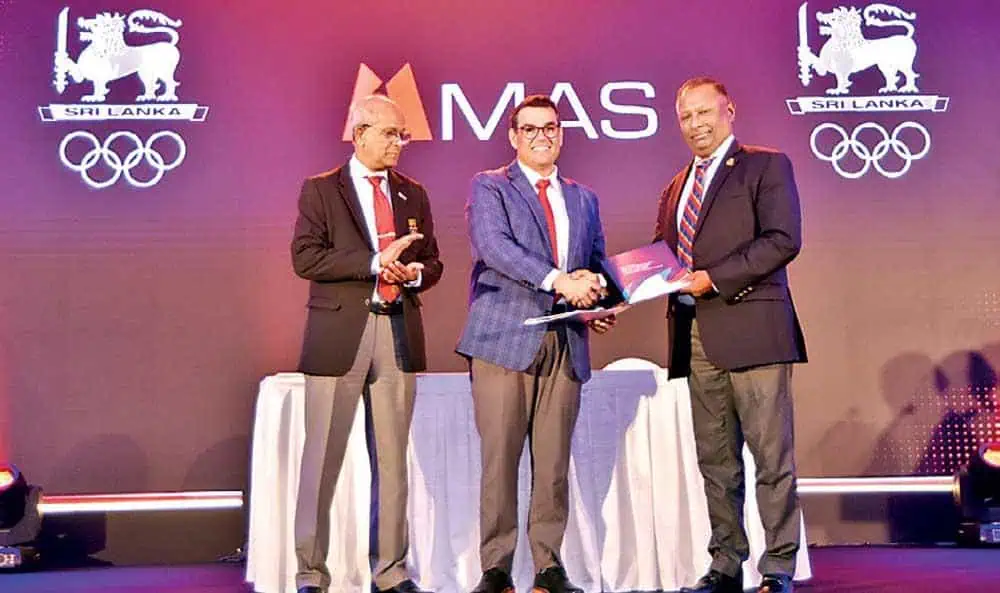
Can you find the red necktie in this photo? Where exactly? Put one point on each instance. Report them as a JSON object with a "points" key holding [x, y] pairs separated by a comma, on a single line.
{"points": [[385, 227], [550, 219], [689, 222]]}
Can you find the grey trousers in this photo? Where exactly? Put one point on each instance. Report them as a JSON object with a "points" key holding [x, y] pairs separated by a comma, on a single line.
{"points": [[755, 406], [540, 404], [330, 407]]}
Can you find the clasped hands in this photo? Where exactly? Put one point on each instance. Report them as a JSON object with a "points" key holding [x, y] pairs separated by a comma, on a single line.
{"points": [[395, 271]]}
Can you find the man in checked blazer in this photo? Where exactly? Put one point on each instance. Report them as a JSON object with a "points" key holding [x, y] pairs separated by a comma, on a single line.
{"points": [[364, 238], [537, 244], [733, 216]]}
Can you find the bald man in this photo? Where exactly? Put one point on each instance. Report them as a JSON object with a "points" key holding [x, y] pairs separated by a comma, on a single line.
{"points": [[364, 238]]}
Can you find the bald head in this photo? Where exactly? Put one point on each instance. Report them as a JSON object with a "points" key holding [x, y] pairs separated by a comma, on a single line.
{"points": [[377, 123], [366, 111]]}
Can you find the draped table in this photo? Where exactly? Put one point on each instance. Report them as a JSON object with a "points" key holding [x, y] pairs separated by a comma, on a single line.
{"points": [[638, 517]]}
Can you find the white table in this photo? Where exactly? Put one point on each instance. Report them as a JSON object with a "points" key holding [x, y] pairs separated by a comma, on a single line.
{"points": [[638, 519]]}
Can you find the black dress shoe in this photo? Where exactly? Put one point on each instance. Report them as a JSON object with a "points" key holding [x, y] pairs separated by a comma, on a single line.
{"points": [[554, 580], [716, 582], [495, 580], [406, 586], [775, 583], [310, 589]]}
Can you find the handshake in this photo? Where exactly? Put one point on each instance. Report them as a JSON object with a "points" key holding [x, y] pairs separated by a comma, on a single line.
{"points": [[581, 288]]}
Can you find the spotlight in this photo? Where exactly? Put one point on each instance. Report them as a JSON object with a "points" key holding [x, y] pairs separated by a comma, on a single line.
{"points": [[977, 494], [20, 521]]}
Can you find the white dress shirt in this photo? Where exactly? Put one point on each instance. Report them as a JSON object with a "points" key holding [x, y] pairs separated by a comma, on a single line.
{"points": [[366, 196], [558, 204]]}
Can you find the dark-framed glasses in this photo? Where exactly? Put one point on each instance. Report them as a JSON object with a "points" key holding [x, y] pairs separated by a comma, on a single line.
{"points": [[530, 132]]}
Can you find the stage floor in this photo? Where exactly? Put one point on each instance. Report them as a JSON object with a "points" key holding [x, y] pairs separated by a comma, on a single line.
{"points": [[837, 569]]}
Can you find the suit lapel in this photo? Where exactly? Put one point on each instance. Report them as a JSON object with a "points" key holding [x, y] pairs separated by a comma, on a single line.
{"points": [[350, 197], [673, 201], [530, 198], [400, 204], [726, 167], [575, 215]]}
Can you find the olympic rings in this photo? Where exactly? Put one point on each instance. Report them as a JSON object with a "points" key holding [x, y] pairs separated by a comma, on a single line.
{"points": [[870, 156], [118, 164]]}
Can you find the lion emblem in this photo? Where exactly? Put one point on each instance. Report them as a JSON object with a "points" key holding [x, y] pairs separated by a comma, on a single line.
{"points": [[107, 57], [848, 51]]}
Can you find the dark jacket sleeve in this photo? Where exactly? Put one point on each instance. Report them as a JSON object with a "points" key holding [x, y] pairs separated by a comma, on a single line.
{"points": [[776, 207], [314, 255]]}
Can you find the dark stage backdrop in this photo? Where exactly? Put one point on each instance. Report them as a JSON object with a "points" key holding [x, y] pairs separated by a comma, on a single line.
{"points": [[135, 322]]}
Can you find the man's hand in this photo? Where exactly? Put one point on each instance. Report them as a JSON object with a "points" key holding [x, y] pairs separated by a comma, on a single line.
{"points": [[396, 248], [603, 325], [700, 283], [586, 274], [581, 288], [397, 273]]}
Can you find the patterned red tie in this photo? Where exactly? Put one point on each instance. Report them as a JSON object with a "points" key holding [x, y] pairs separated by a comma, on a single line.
{"points": [[689, 222], [550, 219], [386, 229]]}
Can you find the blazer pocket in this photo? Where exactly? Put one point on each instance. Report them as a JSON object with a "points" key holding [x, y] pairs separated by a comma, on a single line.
{"points": [[321, 302]]}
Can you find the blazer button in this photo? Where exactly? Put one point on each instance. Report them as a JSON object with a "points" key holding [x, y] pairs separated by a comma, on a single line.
{"points": [[368, 302]]}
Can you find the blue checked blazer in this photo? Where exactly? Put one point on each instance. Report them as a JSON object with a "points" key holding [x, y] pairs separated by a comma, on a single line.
{"points": [[511, 256]]}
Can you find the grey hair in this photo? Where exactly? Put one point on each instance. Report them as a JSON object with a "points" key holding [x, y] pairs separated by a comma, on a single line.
{"points": [[361, 113]]}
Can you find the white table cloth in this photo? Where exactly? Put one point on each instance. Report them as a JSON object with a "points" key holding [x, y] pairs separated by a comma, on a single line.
{"points": [[638, 519]]}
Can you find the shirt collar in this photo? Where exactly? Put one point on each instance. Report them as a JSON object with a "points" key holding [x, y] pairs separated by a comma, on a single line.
{"points": [[719, 152], [358, 170], [533, 176]]}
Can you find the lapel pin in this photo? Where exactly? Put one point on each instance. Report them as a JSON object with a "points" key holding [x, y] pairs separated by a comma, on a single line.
{"points": [[402, 196], [411, 225], [730, 162]]}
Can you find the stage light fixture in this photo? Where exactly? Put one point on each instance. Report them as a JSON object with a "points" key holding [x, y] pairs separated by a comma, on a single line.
{"points": [[977, 494], [20, 521], [13, 496]]}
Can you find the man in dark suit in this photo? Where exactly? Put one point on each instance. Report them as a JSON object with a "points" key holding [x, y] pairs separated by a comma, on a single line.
{"points": [[537, 242], [364, 238], [733, 217]]}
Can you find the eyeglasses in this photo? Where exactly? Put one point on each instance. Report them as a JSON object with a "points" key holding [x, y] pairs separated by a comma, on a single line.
{"points": [[530, 131], [401, 137]]}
